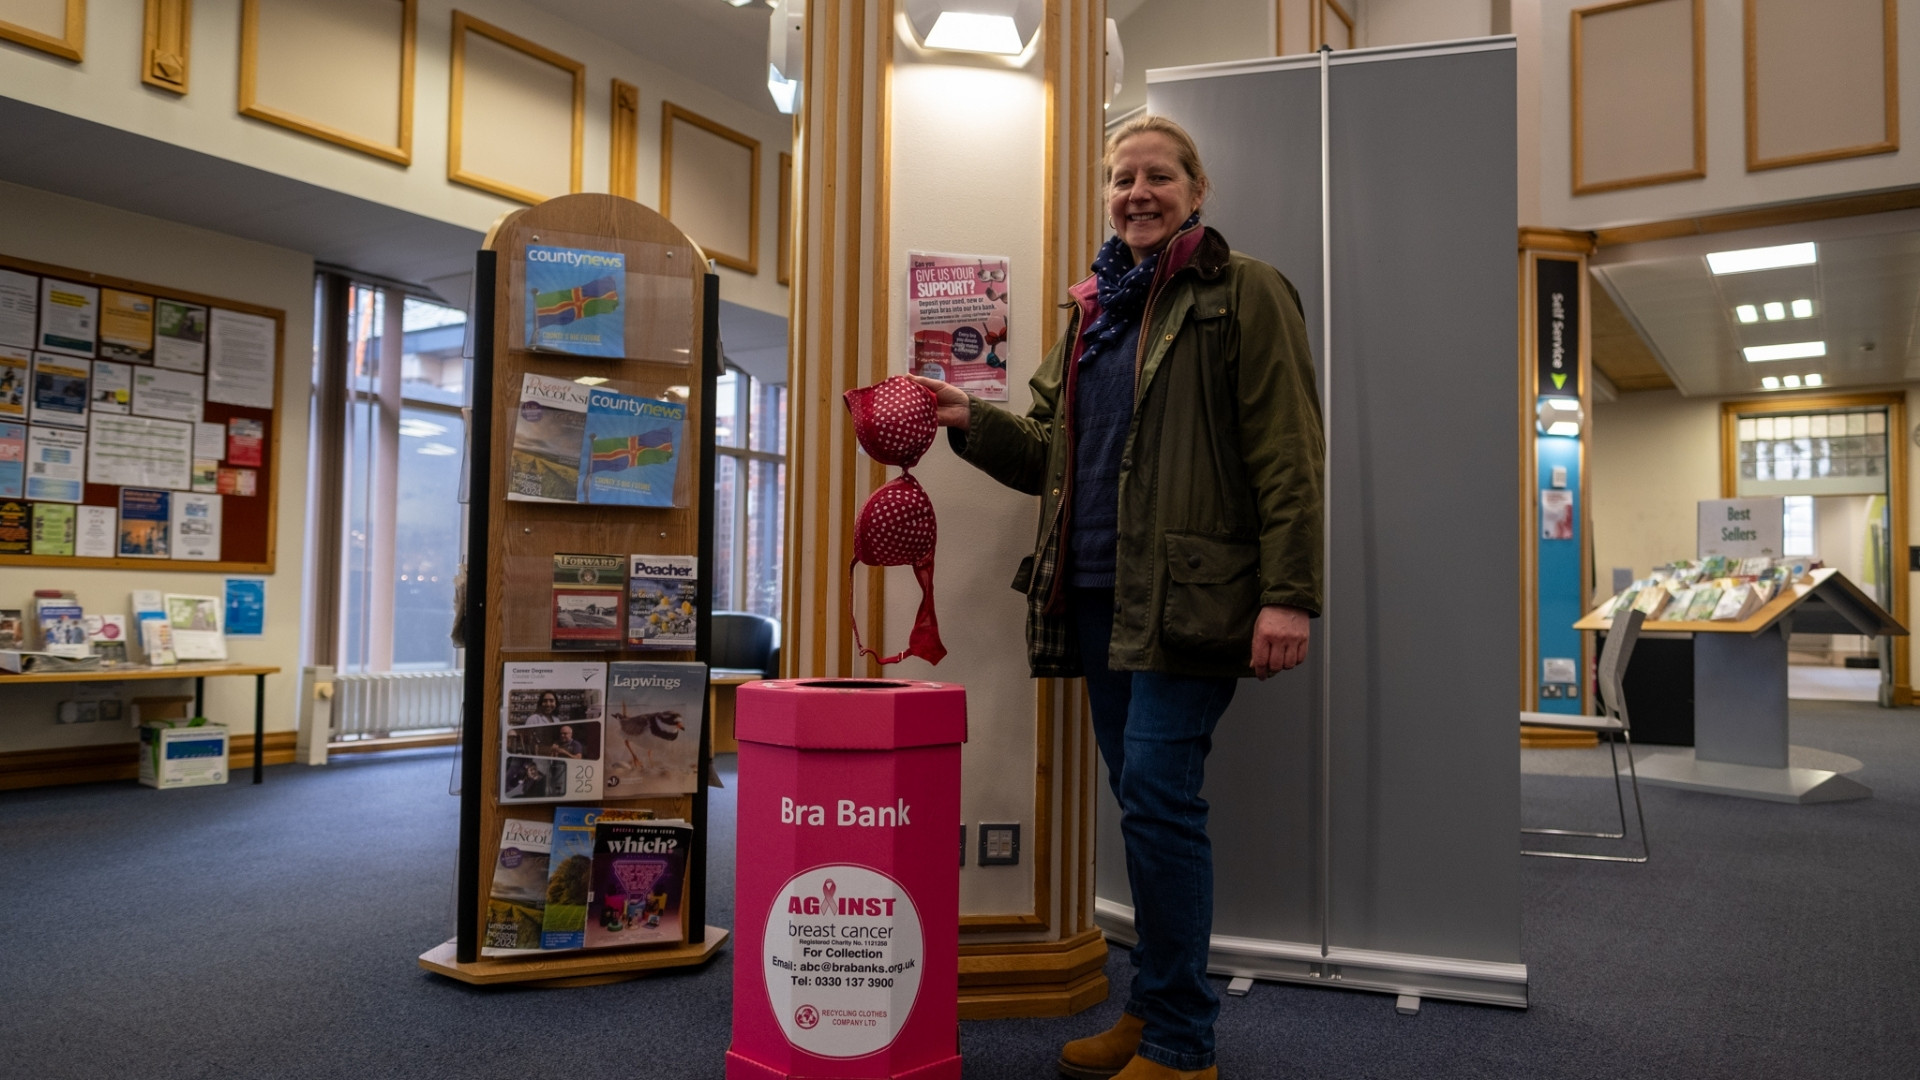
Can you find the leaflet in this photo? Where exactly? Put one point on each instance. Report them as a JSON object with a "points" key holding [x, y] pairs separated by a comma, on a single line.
{"points": [[95, 531], [60, 390], [134, 451], [56, 464], [18, 308], [112, 390], [195, 522], [69, 317], [172, 395], [13, 460], [126, 326], [180, 336], [240, 359], [16, 375]]}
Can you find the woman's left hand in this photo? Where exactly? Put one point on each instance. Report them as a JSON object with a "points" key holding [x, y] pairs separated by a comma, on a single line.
{"points": [[1279, 639]]}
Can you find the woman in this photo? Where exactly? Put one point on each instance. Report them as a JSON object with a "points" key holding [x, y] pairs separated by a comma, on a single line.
{"points": [[1175, 443]]}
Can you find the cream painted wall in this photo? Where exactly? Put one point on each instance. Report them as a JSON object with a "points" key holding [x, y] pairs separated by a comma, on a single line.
{"points": [[106, 88], [1727, 184], [1406, 22], [986, 201], [1175, 33], [53, 229]]}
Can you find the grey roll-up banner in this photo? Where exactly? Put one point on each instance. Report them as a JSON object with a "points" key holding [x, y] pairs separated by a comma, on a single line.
{"points": [[1378, 848]]}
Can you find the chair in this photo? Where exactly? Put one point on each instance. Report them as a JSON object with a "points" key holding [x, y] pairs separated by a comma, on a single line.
{"points": [[744, 642], [1613, 668]]}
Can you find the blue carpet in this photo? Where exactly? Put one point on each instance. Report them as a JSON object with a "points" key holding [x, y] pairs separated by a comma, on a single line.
{"points": [[271, 932]]}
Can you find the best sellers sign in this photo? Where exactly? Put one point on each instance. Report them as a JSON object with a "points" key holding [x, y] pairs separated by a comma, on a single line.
{"points": [[1742, 528]]}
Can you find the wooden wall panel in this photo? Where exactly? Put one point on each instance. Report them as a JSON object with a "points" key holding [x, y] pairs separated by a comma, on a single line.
{"points": [[1639, 94], [339, 70], [1822, 81], [516, 114], [52, 26], [715, 172], [623, 168], [166, 51]]}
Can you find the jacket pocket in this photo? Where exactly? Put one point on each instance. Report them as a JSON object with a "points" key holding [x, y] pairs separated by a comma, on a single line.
{"points": [[1213, 595], [1023, 577]]}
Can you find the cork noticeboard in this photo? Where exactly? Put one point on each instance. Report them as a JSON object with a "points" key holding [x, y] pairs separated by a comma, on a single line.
{"points": [[45, 321]]}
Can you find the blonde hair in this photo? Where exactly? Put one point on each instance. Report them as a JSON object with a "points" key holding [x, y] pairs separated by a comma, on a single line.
{"points": [[1183, 148]]}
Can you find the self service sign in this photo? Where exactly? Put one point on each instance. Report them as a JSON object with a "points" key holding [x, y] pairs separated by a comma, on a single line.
{"points": [[846, 959]]}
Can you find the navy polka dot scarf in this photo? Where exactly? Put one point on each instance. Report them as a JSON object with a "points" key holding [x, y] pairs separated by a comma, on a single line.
{"points": [[1123, 287]]}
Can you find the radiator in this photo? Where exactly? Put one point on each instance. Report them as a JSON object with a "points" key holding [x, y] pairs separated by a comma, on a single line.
{"points": [[367, 707]]}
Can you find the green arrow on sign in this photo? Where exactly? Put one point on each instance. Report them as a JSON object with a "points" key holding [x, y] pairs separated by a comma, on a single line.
{"points": [[1559, 381]]}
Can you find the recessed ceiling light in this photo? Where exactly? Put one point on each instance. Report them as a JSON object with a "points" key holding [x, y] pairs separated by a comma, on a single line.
{"points": [[1747, 313], [1798, 350], [591, 380], [1767, 258], [1775, 311], [1803, 309], [1791, 381], [1770, 383], [1814, 379]]}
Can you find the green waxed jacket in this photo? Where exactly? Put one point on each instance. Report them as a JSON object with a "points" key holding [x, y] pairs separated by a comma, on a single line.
{"points": [[1221, 471]]}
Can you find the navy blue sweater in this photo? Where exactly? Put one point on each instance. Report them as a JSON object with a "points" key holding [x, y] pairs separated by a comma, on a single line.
{"points": [[1102, 410]]}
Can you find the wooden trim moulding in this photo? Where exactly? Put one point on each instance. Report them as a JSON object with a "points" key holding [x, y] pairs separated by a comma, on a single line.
{"points": [[462, 24], [70, 46], [279, 317], [783, 254], [1578, 140], [399, 152], [165, 55], [1028, 979], [1796, 213], [1890, 61], [669, 112], [623, 156]]}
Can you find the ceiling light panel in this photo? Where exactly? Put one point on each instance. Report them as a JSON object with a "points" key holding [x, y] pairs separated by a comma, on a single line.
{"points": [[1748, 260], [1797, 350], [1771, 382], [1791, 382], [1775, 311], [1814, 379], [1747, 313], [1803, 309]]}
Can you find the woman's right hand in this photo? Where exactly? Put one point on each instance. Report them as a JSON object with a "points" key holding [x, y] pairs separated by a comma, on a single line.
{"points": [[949, 402]]}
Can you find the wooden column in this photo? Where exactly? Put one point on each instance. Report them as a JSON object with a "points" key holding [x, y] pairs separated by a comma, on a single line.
{"points": [[1048, 960]]}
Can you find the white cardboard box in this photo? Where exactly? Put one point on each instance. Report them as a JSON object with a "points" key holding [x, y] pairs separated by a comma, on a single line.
{"points": [[176, 757]]}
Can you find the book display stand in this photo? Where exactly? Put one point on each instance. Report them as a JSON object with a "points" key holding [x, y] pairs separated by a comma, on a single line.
{"points": [[1740, 692], [582, 293]]}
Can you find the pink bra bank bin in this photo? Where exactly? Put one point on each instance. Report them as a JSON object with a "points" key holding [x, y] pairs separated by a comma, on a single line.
{"points": [[846, 947]]}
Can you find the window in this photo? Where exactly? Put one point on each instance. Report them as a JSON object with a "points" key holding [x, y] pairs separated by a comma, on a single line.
{"points": [[403, 440], [750, 488], [1798, 532], [1828, 452]]}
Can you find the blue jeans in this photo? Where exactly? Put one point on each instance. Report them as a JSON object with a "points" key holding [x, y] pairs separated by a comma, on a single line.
{"points": [[1154, 732]]}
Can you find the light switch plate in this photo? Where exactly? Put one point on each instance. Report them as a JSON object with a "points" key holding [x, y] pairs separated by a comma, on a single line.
{"points": [[999, 844]]}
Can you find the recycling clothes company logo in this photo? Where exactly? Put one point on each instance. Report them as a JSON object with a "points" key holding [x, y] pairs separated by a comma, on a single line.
{"points": [[842, 957]]}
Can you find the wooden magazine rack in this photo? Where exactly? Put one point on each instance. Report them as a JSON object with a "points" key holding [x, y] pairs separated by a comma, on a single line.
{"points": [[672, 342]]}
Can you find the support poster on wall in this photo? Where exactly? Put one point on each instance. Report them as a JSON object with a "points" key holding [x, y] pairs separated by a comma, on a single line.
{"points": [[957, 316]]}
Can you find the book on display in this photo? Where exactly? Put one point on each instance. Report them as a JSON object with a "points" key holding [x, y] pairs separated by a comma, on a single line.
{"points": [[654, 712], [548, 428], [570, 873], [517, 900], [589, 593], [639, 882], [553, 733], [631, 455], [661, 590]]}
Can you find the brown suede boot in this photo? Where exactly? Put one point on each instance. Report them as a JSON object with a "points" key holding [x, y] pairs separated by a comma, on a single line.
{"points": [[1142, 1069], [1104, 1054]]}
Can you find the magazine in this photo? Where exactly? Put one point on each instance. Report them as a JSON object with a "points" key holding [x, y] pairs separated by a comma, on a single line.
{"points": [[570, 873], [195, 620], [553, 736], [107, 637], [631, 450], [13, 629], [517, 900], [661, 590], [63, 627], [588, 591], [574, 301], [639, 882], [654, 712], [544, 465]]}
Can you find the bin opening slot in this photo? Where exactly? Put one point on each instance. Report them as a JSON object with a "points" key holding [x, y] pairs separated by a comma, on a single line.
{"points": [[853, 684]]}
